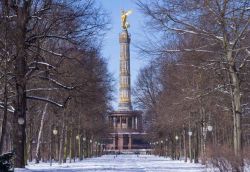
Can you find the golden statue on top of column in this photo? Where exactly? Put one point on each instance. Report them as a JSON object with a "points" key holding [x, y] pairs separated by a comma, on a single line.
{"points": [[125, 24]]}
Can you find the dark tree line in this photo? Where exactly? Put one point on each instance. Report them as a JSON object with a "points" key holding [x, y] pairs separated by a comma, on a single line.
{"points": [[198, 78], [53, 78]]}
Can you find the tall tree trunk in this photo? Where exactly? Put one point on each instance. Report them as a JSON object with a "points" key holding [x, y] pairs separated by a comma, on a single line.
{"points": [[203, 131], [40, 133], [30, 140], [87, 147], [19, 140], [190, 148], [57, 146], [20, 105], [50, 144], [70, 144], [196, 149], [237, 114], [74, 146], [4, 120], [61, 142], [236, 103], [184, 145], [81, 149], [66, 145]]}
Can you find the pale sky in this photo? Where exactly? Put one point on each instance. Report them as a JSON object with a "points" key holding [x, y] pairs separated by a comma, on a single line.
{"points": [[111, 42]]}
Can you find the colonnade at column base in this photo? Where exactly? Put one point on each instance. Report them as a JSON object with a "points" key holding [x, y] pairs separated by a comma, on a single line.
{"points": [[126, 126]]}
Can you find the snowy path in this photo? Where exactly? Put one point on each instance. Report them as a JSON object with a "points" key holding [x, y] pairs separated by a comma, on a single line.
{"points": [[122, 163]]}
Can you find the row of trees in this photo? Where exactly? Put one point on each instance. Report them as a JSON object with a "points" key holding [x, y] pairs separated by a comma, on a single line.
{"points": [[199, 77], [55, 86]]}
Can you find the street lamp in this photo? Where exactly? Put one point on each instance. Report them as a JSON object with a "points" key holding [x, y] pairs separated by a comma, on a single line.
{"points": [[176, 138], [166, 146], [189, 145], [209, 128], [91, 146], [54, 132], [20, 120], [99, 148], [84, 146], [206, 129], [161, 153], [96, 148], [79, 147]]}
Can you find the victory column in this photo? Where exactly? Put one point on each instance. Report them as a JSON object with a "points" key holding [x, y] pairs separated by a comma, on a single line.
{"points": [[125, 123]]}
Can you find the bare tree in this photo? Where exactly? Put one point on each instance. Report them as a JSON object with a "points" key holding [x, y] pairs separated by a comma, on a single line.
{"points": [[222, 29], [42, 34]]}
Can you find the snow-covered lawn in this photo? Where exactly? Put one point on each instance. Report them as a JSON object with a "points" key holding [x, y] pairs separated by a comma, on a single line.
{"points": [[121, 163]]}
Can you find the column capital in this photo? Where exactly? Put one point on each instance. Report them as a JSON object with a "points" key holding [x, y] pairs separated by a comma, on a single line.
{"points": [[124, 37]]}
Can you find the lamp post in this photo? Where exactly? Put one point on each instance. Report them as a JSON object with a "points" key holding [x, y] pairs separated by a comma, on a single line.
{"points": [[54, 133], [161, 153], [209, 128], [99, 149], [157, 148], [91, 148], [153, 148], [83, 147], [189, 144], [205, 129], [176, 138], [79, 148], [166, 148], [150, 146], [20, 120], [96, 145]]}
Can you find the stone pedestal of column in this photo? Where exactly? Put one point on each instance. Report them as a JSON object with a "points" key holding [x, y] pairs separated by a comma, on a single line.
{"points": [[120, 142], [130, 142]]}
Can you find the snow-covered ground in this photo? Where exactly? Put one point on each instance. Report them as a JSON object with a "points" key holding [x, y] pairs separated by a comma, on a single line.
{"points": [[121, 163]]}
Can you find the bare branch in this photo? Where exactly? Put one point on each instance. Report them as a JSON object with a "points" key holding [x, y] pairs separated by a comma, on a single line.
{"points": [[49, 101]]}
